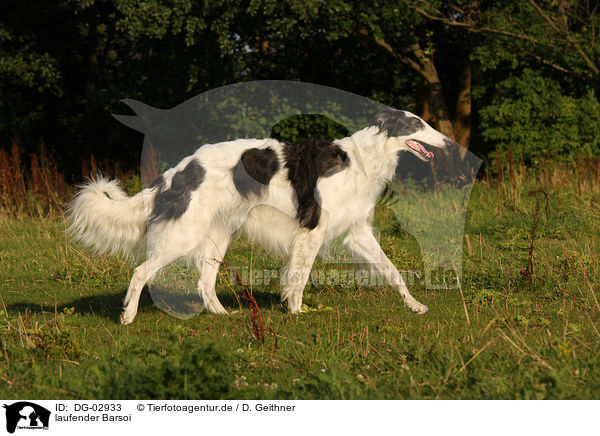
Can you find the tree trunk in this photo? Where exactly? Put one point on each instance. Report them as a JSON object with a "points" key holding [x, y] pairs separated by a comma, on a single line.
{"points": [[427, 69], [444, 165], [425, 66], [462, 117], [424, 107]]}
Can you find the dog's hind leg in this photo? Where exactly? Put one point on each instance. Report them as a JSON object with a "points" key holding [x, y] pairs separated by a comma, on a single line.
{"points": [[213, 250], [166, 247], [296, 274], [360, 241], [140, 277]]}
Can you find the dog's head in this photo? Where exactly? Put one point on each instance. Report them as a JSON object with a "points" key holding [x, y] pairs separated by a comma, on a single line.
{"points": [[407, 132]]}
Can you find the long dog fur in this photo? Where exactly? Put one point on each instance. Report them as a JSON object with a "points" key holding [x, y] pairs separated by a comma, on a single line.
{"points": [[291, 198]]}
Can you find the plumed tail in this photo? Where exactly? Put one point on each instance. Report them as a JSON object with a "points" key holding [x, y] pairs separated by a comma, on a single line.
{"points": [[104, 218]]}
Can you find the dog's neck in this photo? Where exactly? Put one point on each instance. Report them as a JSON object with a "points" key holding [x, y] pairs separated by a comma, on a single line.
{"points": [[376, 160]]}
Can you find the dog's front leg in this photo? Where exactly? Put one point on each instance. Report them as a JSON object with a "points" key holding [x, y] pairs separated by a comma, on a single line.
{"points": [[210, 257], [295, 275], [360, 241]]}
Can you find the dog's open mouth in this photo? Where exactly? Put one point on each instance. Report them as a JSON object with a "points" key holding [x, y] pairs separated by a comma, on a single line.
{"points": [[416, 146]]}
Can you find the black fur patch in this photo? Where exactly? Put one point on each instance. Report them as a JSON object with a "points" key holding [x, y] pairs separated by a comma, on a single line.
{"points": [[159, 181], [171, 203], [254, 171], [397, 123], [306, 161]]}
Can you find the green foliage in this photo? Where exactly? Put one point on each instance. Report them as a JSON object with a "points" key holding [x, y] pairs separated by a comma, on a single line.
{"points": [[183, 371], [299, 127], [332, 384], [533, 116], [535, 65], [56, 344], [26, 71], [554, 36]]}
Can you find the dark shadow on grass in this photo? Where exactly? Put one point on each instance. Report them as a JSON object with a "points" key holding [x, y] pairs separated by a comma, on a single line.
{"points": [[102, 305], [111, 305]]}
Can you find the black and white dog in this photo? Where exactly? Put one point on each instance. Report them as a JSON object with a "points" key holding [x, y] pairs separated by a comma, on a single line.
{"points": [[291, 198]]}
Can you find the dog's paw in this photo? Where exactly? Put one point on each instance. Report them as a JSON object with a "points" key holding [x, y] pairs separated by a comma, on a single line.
{"points": [[127, 317], [217, 310], [417, 307], [296, 310]]}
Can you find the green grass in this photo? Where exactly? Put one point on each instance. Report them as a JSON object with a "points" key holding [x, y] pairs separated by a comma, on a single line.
{"points": [[505, 337]]}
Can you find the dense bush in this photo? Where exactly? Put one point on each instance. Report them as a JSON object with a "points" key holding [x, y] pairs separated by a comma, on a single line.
{"points": [[532, 115]]}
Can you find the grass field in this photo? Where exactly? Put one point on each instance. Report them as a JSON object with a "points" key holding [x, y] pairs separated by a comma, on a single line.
{"points": [[515, 331]]}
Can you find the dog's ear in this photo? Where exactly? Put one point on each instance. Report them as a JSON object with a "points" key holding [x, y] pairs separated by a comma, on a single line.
{"points": [[333, 161], [393, 122], [387, 120]]}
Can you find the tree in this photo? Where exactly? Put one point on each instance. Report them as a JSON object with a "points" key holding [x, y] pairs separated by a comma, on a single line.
{"points": [[29, 72], [559, 34], [64, 68]]}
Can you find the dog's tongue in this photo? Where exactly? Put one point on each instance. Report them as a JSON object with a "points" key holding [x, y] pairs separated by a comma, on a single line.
{"points": [[418, 147]]}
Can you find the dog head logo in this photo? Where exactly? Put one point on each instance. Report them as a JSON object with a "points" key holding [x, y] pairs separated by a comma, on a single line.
{"points": [[26, 415]]}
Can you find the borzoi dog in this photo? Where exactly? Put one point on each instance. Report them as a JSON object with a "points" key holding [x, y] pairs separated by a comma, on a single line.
{"points": [[291, 198]]}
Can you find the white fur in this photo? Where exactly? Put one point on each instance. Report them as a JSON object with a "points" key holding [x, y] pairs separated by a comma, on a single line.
{"points": [[216, 210], [109, 225]]}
